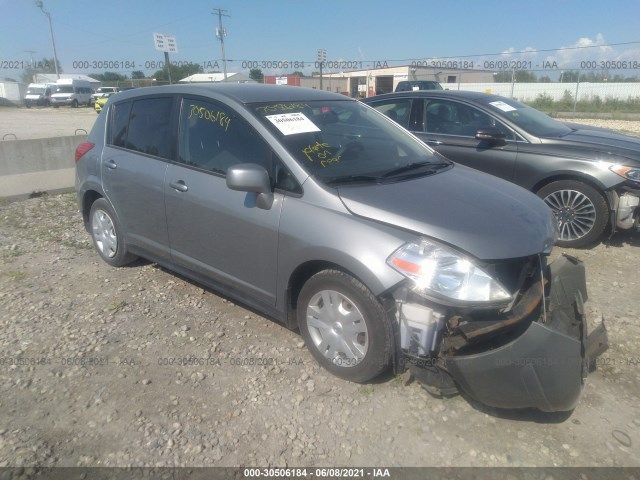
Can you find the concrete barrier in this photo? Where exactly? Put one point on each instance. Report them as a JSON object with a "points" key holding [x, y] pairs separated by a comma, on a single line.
{"points": [[39, 165]]}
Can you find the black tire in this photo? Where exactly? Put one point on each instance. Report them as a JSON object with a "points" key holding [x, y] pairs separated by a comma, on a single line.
{"points": [[362, 311], [75, 104], [581, 210], [107, 235]]}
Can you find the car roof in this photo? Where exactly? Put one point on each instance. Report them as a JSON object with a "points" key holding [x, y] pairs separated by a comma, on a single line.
{"points": [[240, 92], [461, 94]]}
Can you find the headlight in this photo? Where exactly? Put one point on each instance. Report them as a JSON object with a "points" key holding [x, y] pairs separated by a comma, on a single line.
{"points": [[631, 173], [440, 272]]}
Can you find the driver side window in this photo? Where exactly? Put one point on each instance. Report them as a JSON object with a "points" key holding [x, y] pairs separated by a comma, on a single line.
{"points": [[213, 138], [453, 118]]}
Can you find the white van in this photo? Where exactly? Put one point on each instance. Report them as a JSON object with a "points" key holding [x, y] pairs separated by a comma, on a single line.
{"points": [[73, 92], [39, 94]]}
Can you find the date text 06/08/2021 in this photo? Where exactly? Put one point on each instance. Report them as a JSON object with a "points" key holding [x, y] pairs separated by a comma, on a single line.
{"points": [[316, 472]]}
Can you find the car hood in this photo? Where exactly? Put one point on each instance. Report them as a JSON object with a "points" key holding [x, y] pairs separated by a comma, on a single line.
{"points": [[483, 215], [602, 140]]}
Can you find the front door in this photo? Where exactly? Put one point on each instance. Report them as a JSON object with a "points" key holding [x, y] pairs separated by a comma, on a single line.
{"points": [[214, 231], [449, 127]]}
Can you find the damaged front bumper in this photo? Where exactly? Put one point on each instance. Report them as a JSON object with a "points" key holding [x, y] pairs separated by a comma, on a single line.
{"points": [[542, 364]]}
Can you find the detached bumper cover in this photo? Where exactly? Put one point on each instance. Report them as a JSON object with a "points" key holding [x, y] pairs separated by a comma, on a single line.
{"points": [[546, 367]]}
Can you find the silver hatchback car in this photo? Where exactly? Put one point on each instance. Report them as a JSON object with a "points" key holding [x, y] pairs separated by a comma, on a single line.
{"points": [[328, 217]]}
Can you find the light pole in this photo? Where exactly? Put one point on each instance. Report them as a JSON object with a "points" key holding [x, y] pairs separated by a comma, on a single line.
{"points": [[322, 57], [53, 42]]}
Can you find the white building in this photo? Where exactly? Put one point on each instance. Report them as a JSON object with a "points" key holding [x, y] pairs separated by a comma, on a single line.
{"points": [[216, 77], [367, 83]]}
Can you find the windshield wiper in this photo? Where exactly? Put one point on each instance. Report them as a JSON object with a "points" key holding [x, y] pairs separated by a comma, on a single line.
{"points": [[433, 166], [352, 179]]}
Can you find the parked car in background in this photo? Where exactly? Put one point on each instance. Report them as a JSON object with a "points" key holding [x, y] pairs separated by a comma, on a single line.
{"points": [[71, 92], [590, 177], [412, 85], [103, 91], [39, 94], [319, 212], [102, 101]]}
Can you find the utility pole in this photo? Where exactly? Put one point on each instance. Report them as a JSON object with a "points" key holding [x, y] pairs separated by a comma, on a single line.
{"points": [[33, 70], [53, 42], [31, 52], [221, 33]]}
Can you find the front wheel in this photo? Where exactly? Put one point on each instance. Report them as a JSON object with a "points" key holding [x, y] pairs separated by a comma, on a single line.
{"points": [[108, 238], [580, 210], [344, 326]]}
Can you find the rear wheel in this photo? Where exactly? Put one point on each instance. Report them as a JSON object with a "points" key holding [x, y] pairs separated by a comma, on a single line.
{"points": [[580, 210], [344, 326], [75, 104], [107, 234]]}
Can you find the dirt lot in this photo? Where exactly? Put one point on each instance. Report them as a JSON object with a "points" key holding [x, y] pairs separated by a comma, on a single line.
{"points": [[139, 367]]}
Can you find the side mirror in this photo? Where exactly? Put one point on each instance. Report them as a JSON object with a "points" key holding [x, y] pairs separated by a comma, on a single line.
{"points": [[491, 134], [252, 178]]}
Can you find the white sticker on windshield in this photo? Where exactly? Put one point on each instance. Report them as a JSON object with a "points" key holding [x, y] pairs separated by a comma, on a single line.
{"points": [[292, 123], [502, 106]]}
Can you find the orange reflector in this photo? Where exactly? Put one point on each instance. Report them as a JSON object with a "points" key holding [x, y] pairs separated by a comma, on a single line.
{"points": [[406, 266]]}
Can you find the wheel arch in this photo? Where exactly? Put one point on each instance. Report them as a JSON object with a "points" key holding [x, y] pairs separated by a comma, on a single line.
{"points": [[299, 277], [575, 177], [89, 197]]}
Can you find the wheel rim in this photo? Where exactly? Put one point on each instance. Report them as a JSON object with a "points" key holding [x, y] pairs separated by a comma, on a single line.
{"points": [[104, 233], [337, 328], [574, 212]]}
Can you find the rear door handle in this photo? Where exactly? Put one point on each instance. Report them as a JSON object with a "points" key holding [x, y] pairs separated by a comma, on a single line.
{"points": [[111, 164], [179, 186]]}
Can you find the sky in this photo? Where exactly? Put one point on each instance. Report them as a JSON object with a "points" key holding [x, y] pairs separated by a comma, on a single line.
{"points": [[117, 35]]}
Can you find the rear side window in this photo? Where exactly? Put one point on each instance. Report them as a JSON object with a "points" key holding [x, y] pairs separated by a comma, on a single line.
{"points": [[396, 110], [143, 126]]}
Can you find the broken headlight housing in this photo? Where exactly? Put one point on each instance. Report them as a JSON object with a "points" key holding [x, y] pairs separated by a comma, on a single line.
{"points": [[446, 276], [630, 173]]}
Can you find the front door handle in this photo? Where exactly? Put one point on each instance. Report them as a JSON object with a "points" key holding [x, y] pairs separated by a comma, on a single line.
{"points": [[433, 142], [179, 186], [111, 164]]}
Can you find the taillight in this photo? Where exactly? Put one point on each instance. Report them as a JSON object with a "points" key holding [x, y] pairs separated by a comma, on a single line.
{"points": [[83, 148]]}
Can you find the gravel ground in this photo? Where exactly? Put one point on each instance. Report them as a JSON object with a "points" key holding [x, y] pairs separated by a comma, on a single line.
{"points": [[139, 367], [45, 122]]}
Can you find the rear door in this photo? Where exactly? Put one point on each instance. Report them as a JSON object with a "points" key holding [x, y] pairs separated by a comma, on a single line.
{"points": [[214, 231], [134, 163]]}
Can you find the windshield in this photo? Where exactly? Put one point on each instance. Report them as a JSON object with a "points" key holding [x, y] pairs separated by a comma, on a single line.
{"points": [[344, 141], [35, 90], [65, 89], [529, 119]]}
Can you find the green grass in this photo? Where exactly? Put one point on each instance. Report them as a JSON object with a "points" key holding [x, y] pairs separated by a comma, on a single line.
{"points": [[15, 275], [545, 103]]}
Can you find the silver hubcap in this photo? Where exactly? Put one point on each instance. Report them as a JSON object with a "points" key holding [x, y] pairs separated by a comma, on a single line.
{"points": [[104, 234], [575, 213], [337, 328]]}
